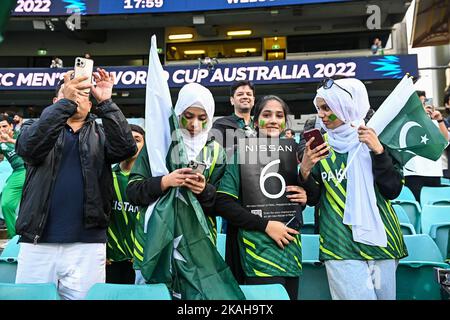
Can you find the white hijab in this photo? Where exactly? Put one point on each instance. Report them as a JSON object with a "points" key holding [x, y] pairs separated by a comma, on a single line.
{"points": [[361, 210], [195, 95]]}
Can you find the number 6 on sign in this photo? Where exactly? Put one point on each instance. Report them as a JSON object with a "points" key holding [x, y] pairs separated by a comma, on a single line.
{"points": [[264, 177]]}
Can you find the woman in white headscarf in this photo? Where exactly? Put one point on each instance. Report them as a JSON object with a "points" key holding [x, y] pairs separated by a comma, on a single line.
{"points": [[195, 111], [361, 239]]}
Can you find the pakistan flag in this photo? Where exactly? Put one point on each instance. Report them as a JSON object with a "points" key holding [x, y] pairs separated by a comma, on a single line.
{"points": [[5, 9], [404, 127], [178, 248]]}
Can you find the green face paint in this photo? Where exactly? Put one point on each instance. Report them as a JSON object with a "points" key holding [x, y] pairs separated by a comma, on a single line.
{"points": [[184, 121], [204, 124], [283, 125], [332, 117], [262, 123]]}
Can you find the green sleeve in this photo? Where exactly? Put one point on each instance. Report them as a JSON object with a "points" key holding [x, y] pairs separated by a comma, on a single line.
{"points": [[231, 180], [219, 168], [141, 168]]}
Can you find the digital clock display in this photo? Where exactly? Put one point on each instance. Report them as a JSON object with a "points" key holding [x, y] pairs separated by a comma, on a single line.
{"points": [[144, 4]]}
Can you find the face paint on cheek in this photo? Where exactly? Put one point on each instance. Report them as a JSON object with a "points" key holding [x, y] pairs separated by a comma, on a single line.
{"points": [[283, 125], [184, 122], [204, 124], [332, 117], [262, 123]]}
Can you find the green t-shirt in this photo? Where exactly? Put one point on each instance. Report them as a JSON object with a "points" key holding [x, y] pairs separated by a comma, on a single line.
{"points": [[212, 154], [241, 122], [336, 239], [260, 255], [123, 220], [8, 150]]}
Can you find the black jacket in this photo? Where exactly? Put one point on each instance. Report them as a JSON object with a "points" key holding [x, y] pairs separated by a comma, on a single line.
{"points": [[227, 131], [40, 144]]}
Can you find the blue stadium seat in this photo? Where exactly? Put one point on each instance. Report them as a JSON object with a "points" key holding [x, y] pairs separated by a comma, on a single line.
{"points": [[413, 210], [265, 292], [5, 172], [436, 223], [220, 244], [405, 225], [434, 214], [440, 233], [308, 215], [406, 194], [36, 291], [415, 273], [8, 271], [435, 195], [11, 250], [308, 220], [445, 181], [401, 213], [111, 291], [313, 282], [219, 224], [8, 261]]}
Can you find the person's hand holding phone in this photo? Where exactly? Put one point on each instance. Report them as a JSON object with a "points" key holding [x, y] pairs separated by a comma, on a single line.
{"points": [[312, 156], [177, 178], [437, 115], [74, 89], [104, 82], [197, 185], [369, 137], [429, 109]]}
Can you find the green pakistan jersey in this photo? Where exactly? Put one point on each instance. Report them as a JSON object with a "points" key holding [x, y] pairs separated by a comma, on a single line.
{"points": [[212, 154], [336, 239], [8, 149], [260, 255], [123, 220]]}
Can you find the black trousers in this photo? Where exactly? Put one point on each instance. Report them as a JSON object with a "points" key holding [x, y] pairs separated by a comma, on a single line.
{"points": [[120, 272], [415, 183], [289, 283]]}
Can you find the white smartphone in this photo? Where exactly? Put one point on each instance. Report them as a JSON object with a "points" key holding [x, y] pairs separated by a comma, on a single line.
{"points": [[197, 167], [84, 67]]}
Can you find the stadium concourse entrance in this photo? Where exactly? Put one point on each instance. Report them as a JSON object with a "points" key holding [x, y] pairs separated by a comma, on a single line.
{"points": [[299, 97]]}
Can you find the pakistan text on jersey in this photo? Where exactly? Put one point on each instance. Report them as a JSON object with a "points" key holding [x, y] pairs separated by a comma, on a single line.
{"points": [[117, 205], [337, 175]]}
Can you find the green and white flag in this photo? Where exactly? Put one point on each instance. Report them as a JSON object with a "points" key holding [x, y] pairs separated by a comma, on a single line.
{"points": [[5, 10], [178, 248], [403, 126]]}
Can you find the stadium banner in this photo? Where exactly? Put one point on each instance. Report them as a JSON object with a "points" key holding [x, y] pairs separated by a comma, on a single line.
{"points": [[267, 167], [273, 72], [105, 7]]}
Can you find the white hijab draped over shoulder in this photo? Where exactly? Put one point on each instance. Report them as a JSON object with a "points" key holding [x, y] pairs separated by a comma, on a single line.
{"points": [[195, 95], [361, 210]]}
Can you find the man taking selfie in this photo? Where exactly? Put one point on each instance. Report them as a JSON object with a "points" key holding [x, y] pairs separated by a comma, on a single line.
{"points": [[67, 196]]}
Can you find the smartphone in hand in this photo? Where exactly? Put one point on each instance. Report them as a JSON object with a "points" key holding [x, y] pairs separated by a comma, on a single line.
{"points": [[197, 167], [318, 138], [84, 67]]}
